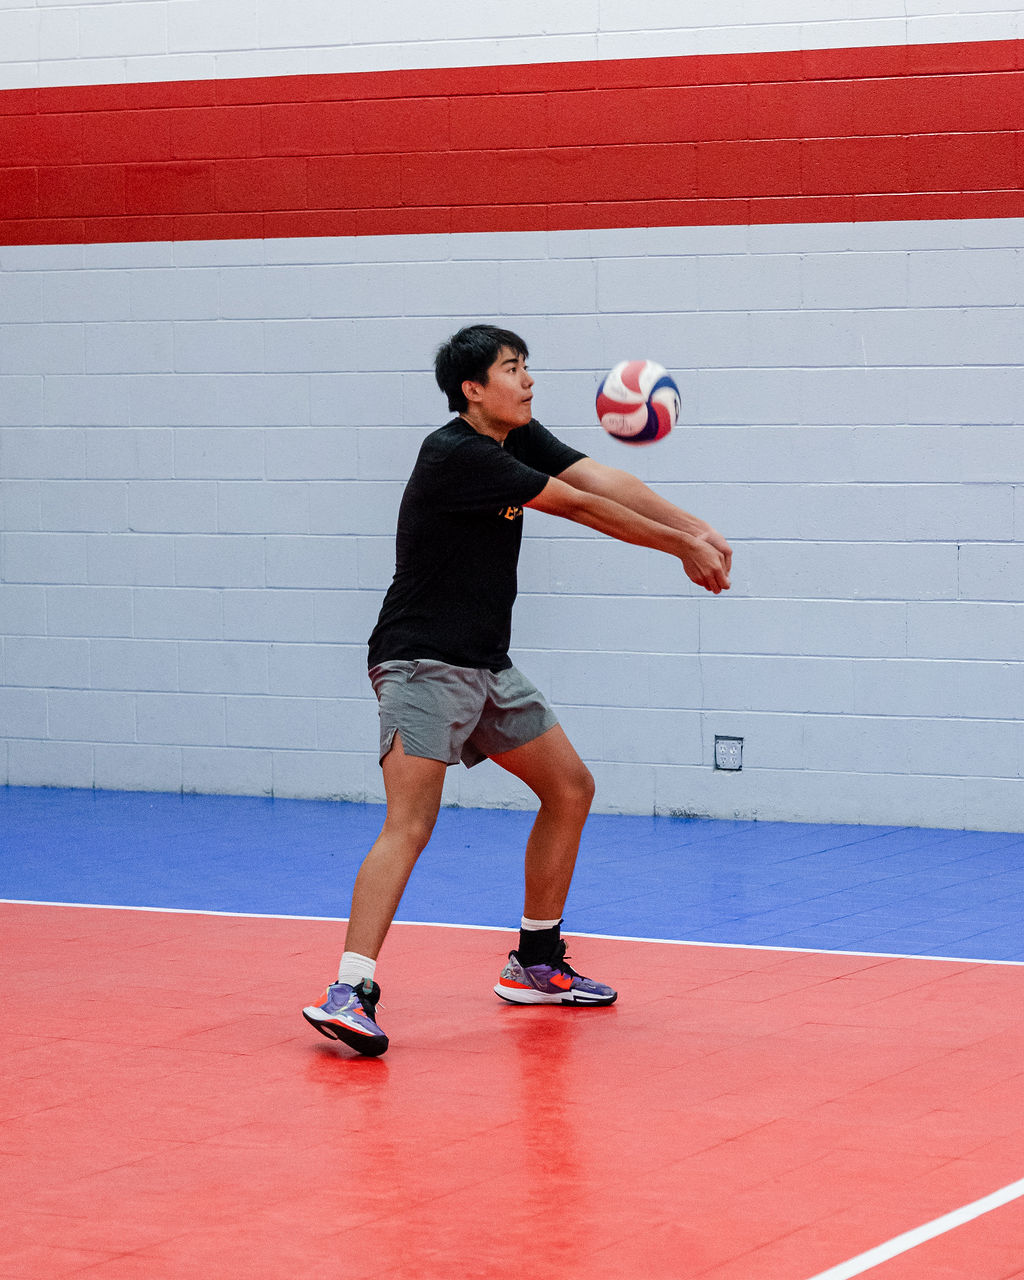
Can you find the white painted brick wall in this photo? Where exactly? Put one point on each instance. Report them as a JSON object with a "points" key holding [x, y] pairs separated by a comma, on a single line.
{"points": [[24, 712], [203, 446], [130, 559], [984, 631], [89, 611], [181, 719], [104, 42], [46, 662], [33, 763], [236, 771], [146, 664], [173, 613], [268, 615], [44, 557]]}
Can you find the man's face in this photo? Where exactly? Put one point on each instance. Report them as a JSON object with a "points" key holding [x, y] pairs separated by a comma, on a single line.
{"points": [[504, 400]]}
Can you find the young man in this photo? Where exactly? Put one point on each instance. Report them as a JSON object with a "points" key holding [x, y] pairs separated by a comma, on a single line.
{"points": [[439, 662]]}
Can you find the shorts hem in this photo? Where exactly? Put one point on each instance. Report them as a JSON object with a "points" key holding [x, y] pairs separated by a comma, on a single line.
{"points": [[409, 749]]}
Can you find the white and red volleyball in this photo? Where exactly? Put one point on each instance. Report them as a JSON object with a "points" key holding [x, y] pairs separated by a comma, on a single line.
{"points": [[638, 402]]}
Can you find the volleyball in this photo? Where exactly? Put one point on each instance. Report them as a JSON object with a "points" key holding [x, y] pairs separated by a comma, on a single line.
{"points": [[638, 402]]}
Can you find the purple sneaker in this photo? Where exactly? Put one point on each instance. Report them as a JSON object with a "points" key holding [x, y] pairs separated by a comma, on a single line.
{"points": [[348, 1014], [553, 983]]}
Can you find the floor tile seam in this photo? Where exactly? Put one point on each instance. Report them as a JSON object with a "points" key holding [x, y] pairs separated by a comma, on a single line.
{"points": [[743, 1253], [863, 879], [937, 835], [881, 882], [96, 1258], [878, 899], [765, 916], [945, 848], [493, 928], [888, 855], [886, 1082], [63, 1218]]}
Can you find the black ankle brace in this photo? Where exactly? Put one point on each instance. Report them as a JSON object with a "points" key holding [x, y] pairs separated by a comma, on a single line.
{"points": [[537, 946]]}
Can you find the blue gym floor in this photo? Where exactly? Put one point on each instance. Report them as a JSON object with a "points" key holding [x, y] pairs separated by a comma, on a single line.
{"points": [[891, 890]]}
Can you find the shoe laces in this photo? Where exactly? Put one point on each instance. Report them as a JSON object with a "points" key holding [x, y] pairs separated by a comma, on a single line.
{"points": [[561, 961], [364, 995]]}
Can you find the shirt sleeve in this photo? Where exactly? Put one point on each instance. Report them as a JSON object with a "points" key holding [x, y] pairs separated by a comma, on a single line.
{"points": [[538, 448], [479, 474]]}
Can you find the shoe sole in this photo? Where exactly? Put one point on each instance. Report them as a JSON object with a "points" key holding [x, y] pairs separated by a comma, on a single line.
{"points": [[368, 1046], [519, 995]]}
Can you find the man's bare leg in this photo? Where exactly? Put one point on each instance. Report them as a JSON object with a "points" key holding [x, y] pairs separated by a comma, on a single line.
{"points": [[551, 768], [349, 1008], [537, 971], [413, 787]]}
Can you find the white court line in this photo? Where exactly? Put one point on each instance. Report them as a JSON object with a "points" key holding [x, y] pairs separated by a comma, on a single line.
{"points": [[911, 1239], [498, 928]]}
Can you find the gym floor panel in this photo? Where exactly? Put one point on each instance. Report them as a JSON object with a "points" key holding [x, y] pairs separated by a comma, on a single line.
{"points": [[814, 1070]]}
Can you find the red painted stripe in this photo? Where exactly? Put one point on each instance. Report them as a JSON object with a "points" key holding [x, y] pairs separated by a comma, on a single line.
{"points": [[907, 132]]}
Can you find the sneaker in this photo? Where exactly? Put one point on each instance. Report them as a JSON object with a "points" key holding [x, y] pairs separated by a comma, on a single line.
{"points": [[553, 983], [349, 1014]]}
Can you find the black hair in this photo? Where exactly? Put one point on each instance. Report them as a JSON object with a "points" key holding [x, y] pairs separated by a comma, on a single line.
{"points": [[467, 355]]}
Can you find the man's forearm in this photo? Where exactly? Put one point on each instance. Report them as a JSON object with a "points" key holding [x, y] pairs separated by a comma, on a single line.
{"points": [[626, 524], [638, 497], [607, 516], [629, 491]]}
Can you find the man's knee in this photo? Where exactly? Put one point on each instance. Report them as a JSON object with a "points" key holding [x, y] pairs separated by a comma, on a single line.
{"points": [[583, 780], [573, 787], [587, 785], [409, 829], [416, 833]]}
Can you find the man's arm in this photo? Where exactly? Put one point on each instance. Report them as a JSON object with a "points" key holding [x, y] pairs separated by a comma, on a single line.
{"points": [[627, 490], [703, 562]]}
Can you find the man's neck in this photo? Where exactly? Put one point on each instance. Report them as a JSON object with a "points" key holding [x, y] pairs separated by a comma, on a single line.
{"points": [[484, 427]]}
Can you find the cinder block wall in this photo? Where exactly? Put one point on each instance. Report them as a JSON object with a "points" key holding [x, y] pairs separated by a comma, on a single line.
{"points": [[215, 343]]}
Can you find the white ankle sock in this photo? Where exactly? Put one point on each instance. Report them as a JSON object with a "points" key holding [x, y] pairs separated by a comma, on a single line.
{"points": [[354, 968], [535, 926]]}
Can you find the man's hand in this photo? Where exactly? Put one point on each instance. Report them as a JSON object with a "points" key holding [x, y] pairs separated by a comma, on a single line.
{"points": [[720, 544], [707, 561]]}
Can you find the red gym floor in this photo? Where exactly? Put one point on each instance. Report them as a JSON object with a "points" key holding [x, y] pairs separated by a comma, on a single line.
{"points": [[740, 1114]]}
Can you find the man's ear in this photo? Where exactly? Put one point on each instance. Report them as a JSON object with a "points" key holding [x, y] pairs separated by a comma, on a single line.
{"points": [[471, 390]]}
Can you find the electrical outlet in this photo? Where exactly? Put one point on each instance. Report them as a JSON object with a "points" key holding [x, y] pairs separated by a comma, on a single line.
{"points": [[728, 753]]}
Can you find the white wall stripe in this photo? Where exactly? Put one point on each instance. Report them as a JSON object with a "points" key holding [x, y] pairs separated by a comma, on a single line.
{"points": [[105, 43]]}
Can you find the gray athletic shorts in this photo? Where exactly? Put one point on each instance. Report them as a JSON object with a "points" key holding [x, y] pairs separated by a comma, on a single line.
{"points": [[451, 713]]}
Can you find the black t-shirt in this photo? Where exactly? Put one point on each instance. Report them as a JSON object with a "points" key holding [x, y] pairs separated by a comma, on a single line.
{"points": [[460, 526]]}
